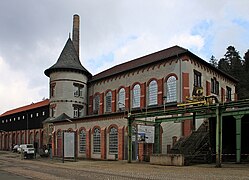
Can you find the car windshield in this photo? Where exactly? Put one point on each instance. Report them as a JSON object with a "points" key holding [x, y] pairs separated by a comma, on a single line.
{"points": [[29, 146]]}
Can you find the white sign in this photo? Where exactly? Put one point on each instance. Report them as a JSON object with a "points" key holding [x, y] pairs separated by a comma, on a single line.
{"points": [[146, 133], [69, 143]]}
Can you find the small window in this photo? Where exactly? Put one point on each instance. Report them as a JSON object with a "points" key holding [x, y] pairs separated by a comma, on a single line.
{"points": [[113, 141], [152, 93], [121, 99], [37, 114], [108, 100], [31, 115], [78, 90], [43, 113], [96, 141], [197, 79], [23, 117], [18, 118], [52, 111], [228, 94], [136, 96], [14, 119], [215, 87], [78, 111], [52, 90]]}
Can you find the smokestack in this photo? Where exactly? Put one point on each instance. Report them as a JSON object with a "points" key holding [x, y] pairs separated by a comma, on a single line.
{"points": [[76, 32]]}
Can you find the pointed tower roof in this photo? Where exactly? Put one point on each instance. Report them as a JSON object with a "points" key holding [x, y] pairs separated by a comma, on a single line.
{"points": [[68, 61]]}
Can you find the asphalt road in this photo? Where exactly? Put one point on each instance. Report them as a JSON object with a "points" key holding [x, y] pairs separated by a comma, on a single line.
{"points": [[11, 166]]}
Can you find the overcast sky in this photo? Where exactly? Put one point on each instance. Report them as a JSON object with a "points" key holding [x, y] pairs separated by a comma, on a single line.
{"points": [[33, 34]]}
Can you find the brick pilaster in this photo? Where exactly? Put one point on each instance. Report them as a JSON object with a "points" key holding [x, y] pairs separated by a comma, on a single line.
{"points": [[140, 151], [208, 88], [186, 124], [114, 101], [187, 127], [127, 98], [185, 86], [53, 144], [143, 95], [120, 143], [90, 106], [101, 103], [160, 91], [103, 143], [222, 94], [88, 143]]}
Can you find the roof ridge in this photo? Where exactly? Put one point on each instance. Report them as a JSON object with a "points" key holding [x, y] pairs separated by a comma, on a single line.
{"points": [[26, 107]]}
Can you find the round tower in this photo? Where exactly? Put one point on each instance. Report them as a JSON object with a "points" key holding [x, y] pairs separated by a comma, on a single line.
{"points": [[68, 80]]}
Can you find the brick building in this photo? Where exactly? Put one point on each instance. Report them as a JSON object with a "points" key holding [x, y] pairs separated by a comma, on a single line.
{"points": [[95, 107]]}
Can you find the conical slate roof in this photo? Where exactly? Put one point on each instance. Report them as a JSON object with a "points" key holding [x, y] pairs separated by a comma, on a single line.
{"points": [[68, 61]]}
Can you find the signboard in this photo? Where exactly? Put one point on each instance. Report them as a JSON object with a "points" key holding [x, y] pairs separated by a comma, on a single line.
{"points": [[68, 144], [145, 133]]}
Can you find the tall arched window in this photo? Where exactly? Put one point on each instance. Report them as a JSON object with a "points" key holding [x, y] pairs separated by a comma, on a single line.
{"points": [[152, 93], [96, 104], [108, 101], [82, 141], [96, 140], [136, 96], [113, 141], [121, 99], [171, 89]]}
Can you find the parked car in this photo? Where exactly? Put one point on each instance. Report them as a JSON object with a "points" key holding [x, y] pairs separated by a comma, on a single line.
{"points": [[28, 150], [15, 148]]}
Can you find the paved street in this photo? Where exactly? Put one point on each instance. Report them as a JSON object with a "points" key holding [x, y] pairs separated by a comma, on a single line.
{"points": [[43, 168]]}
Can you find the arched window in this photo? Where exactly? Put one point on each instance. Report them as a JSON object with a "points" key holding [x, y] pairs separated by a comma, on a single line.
{"points": [[136, 96], [108, 101], [113, 141], [171, 89], [82, 141], [152, 93], [96, 104], [96, 140], [121, 99]]}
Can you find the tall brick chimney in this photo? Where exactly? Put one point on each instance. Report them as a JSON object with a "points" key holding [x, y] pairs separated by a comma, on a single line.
{"points": [[76, 32]]}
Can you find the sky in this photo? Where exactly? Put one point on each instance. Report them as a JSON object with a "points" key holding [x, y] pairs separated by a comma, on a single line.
{"points": [[33, 34]]}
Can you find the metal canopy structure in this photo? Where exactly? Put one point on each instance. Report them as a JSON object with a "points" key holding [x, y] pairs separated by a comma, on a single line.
{"points": [[219, 110]]}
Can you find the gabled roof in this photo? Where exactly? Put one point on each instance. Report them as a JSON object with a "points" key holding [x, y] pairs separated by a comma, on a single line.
{"points": [[68, 61], [26, 108], [166, 54], [139, 62], [62, 117]]}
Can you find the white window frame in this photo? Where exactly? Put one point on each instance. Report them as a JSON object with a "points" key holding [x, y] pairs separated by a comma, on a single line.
{"points": [[136, 94], [152, 93], [171, 89], [108, 101], [121, 99], [113, 141], [82, 141], [96, 141]]}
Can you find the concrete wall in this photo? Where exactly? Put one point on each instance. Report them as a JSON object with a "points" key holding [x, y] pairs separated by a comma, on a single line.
{"points": [[167, 159]]}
